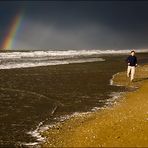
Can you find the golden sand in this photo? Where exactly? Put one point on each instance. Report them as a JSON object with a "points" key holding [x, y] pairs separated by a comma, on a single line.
{"points": [[125, 124]]}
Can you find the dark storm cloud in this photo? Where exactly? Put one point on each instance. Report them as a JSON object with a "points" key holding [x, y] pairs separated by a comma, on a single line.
{"points": [[115, 14], [81, 24]]}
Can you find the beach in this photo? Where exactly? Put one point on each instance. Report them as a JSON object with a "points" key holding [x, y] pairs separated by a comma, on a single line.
{"points": [[125, 124], [35, 98]]}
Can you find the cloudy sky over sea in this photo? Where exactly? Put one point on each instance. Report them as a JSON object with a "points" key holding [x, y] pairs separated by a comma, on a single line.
{"points": [[74, 24]]}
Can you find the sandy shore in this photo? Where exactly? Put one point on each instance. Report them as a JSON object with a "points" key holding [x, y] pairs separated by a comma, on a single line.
{"points": [[125, 124]]}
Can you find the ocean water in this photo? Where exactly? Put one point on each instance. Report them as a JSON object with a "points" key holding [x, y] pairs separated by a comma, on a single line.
{"points": [[23, 59], [40, 88]]}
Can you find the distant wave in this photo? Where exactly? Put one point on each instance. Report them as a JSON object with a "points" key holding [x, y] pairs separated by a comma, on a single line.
{"points": [[61, 53], [22, 59]]}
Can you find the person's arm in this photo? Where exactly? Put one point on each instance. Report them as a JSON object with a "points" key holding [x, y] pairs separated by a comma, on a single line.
{"points": [[128, 61], [136, 61]]}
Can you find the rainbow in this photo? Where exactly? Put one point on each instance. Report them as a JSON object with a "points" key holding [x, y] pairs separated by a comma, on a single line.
{"points": [[11, 35]]}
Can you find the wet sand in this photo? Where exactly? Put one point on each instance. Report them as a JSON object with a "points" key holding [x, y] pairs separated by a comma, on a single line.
{"points": [[125, 124]]}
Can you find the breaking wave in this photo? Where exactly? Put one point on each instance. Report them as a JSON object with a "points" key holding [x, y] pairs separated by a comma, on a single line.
{"points": [[22, 59], [61, 53]]}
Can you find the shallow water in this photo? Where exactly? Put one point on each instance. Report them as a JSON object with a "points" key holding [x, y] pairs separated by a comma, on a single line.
{"points": [[42, 94]]}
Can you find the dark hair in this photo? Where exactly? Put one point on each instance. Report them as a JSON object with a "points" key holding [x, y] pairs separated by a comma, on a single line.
{"points": [[132, 51]]}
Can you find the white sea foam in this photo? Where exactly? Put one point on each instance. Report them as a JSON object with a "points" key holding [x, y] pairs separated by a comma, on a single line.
{"points": [[56, 53], [19, 64], [114, 96], [111, 82]]}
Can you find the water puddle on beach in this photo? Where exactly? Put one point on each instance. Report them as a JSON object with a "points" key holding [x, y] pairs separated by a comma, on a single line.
{"points": [[30, 96]]}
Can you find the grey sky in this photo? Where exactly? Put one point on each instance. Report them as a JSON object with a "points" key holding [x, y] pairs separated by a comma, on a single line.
{"points": [[79, 25]]}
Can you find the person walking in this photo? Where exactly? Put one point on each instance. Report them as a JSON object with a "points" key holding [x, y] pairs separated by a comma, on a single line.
{"points": [[132, 63]]}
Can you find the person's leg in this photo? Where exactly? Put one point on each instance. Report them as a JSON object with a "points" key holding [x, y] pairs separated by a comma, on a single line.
{"points": [[128, 71], [132, 73]]}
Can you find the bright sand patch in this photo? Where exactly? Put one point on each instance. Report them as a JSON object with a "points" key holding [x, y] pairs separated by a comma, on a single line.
{"points": [[125, 124]]}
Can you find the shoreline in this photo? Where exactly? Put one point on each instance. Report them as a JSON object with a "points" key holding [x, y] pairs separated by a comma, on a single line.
{"points": [[77, 130], [39, 131]]}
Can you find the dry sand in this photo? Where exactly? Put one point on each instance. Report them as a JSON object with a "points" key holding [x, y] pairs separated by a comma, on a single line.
{"points": [[125, 124]]}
